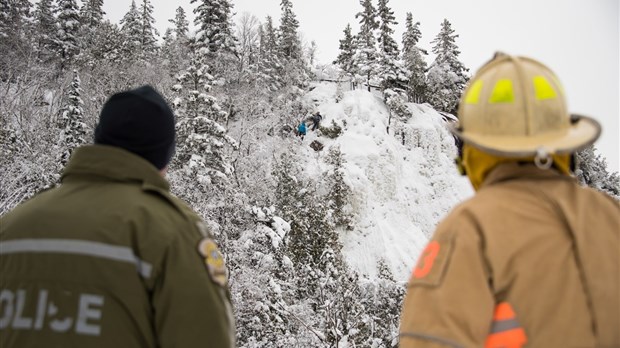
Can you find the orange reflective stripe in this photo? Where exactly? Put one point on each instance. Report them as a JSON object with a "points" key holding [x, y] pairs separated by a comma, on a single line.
{"points": [[507, 339], [505, 330], [504, 311]]}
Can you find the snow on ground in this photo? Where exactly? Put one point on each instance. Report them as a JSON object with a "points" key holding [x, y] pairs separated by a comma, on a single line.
{"points": [[402, 185]]}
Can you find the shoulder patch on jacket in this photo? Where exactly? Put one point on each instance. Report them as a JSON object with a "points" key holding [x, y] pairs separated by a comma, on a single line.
{"points": [[214, 261], [433, 262]]}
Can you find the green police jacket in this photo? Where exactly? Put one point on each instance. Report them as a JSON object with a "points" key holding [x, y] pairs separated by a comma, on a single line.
{"points": [[110, 259]]}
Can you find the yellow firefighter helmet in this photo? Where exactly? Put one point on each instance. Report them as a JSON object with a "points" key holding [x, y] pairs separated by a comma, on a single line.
{"points": [[515, 107]]}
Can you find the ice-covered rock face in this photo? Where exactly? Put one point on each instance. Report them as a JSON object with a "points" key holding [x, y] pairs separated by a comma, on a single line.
{"points": [[403, 182]]}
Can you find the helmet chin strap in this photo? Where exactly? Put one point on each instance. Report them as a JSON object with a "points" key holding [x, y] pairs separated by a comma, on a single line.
{"points": [[543, 159]]}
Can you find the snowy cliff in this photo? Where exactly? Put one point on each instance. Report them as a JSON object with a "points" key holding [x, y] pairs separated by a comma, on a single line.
{"points": [[402, 183]]}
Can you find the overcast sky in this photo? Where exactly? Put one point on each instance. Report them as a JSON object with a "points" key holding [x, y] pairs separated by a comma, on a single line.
{"points": [[578, 39]]}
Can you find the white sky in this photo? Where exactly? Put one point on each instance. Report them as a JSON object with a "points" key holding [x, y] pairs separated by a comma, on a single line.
{"points": [[578, 39]]}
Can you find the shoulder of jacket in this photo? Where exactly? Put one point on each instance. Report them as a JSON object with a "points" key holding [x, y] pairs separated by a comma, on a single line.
{"points": [[469, 215], [181, 207], [166, 197]]}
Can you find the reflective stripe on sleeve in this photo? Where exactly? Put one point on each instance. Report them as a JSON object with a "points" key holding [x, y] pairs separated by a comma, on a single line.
{"points": [[77, 247], [505, 330], [430, 338], [504, 325]]}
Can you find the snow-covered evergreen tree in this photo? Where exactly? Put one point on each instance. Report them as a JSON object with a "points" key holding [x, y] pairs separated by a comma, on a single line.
{"points": [[202, 140], [148, 33], [269, 65], [391, 74], [347, 51], [168, 42], [294, 69], [132, 30], [290, 46], [68, 31], [92, 13], [105, 44], [366, 56], [91, 17], [15, 43], [71, 120], [175, 47], [339, 192], [45, 30], [591, 170], [447, 76], [266, 283], [14, 18], [414, 61], [181, 24], [214, 22], [312, 232], [387, 45]]}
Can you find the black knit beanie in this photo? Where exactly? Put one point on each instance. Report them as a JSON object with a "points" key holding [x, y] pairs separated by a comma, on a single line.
{"points": [[139, 121]]}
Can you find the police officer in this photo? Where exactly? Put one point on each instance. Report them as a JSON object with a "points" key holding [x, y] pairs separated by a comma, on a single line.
{"points": [[111, 258], [532, 259]]}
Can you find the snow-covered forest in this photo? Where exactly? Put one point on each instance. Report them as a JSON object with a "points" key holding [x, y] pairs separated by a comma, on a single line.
{"points": [[319, 233]]}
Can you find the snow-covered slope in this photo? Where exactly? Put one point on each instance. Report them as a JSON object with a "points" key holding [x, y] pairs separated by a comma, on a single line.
{"points": [[402, 184]]}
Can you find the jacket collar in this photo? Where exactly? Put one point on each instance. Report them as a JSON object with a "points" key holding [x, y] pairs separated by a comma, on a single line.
{"points": [[513, 170], [113, 163]]}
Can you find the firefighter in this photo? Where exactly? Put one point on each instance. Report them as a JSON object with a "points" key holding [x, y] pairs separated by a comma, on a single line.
{"points": [[532, 260], [111, 258]]}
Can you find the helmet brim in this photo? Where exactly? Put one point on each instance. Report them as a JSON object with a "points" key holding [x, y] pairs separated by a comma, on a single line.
{"points": [[582, 132]]}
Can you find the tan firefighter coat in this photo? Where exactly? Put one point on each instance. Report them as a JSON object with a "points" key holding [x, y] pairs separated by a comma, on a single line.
{"points": [[530, 239], [110, 259]]}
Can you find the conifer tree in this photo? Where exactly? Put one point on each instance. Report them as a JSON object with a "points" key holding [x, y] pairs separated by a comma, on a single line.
{"points": [[92, 13], [105, 44], [366, 54], [413, 57], [290, 46], [45, 30], [167, 47], [15, 42], [338, 195], [269, 65], [14, 16], [447, 75], [181, 24], [148, 33], [391, 73], [312, 233], [213, 20], [92, 17], [132, 30], [347, 51], [175, 48], [68, 31], [72, 119], [201, 138], [285, 174], [387, 45]]}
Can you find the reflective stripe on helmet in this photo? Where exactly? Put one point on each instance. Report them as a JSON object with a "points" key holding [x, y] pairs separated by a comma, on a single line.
{"points": [[474, 93], [543, 88], [502, 92]]}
